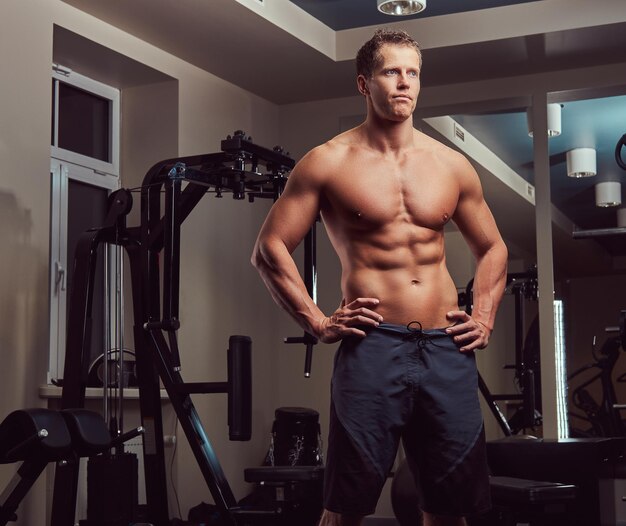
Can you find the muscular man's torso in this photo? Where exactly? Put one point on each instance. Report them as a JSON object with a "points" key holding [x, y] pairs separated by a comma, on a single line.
{"points": [[385, 216]]}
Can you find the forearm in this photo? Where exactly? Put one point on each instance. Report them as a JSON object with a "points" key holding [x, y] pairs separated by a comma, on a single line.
{"points": [[489, 284], [282, 278]]}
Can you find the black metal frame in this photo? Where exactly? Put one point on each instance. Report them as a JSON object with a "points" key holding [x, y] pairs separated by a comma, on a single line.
{"points": [[523, 285], [156, 309], [618, 152], [607, 421]]}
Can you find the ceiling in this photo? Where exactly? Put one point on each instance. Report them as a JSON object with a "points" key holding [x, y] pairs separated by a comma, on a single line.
{"points": [[591, 123], [348, 14], [308, 47], [305, 59]]}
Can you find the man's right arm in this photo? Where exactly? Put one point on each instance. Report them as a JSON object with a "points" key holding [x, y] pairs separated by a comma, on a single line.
{"points": [[286, 225]]}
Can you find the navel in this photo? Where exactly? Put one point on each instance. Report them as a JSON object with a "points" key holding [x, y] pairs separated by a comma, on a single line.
{"points": [[415, 282], [359, 214]]}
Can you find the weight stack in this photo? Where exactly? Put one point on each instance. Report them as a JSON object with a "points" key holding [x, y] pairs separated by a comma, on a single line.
{"points": [[111, 490]]}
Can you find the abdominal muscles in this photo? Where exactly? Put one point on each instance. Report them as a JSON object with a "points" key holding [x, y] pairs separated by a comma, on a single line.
{"points": [[405, 298], [405, 269]]}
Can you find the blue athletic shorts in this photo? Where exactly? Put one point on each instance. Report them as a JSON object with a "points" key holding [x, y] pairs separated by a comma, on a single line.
{"points": [[402, 382]]}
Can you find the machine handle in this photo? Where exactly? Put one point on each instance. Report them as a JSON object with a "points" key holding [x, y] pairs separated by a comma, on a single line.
{"points": [[240, 388], [309, 341], [308, 358], [129, 435]]}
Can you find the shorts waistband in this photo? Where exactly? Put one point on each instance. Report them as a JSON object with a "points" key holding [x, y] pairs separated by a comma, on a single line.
{"points": [[410, 328]]}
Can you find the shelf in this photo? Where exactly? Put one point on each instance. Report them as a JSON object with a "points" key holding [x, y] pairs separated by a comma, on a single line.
{"points": [[130, 393], [599, 232]]}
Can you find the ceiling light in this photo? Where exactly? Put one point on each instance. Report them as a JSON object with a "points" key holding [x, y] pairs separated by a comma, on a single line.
{"points": [[401, 7], [581, 162], [608, 194], [554, 120]]}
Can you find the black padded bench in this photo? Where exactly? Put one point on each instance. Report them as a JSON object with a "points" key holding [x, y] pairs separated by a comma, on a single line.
{"points": [[290, 494], [33, 437], [530, 501], [579, 462], [38, 436]]}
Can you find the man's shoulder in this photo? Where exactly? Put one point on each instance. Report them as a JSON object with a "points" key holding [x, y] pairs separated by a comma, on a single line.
{"points": [[319, 163], [329, 153], [340, 144]]}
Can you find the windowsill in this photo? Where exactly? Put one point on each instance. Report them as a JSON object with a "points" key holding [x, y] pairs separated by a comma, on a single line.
{"points": [[130, 393]]}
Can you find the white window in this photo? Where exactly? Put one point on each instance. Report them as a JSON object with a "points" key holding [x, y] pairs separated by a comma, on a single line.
{"points": [[84, 170], [85, 121]]}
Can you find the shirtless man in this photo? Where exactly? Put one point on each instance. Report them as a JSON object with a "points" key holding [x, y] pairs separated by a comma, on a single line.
{"points": [[405, 367]]}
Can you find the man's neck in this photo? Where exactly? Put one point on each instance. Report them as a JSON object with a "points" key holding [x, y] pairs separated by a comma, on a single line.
{"points": [[388, 136]]}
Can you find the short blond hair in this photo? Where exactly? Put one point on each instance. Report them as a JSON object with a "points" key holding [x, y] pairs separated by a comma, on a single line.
{"points": [[369, 57]]}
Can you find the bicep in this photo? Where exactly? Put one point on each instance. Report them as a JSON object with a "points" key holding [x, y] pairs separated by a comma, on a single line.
{"points": [[473, 216]]}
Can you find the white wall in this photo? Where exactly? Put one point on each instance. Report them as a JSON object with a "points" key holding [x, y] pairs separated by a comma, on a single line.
{"points": [[24, 184]]}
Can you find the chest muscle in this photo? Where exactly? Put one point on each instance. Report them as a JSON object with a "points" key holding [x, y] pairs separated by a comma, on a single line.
{"points": [[379, 196]]}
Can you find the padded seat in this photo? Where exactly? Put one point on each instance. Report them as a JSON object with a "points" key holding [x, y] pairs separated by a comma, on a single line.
{"points": [[509, 491], [533, 502], [33, 437], [34, 434], [88, 431], [289, 495]]}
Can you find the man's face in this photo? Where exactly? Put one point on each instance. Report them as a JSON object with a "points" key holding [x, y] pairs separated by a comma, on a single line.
{"points": [[394, 85]]}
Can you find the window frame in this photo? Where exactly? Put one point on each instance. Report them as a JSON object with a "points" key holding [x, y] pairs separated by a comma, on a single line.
{"points": [[66, 166], [67, 76]]}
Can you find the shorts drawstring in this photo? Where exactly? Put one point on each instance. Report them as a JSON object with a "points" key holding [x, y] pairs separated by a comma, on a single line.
{"points": [[417, 334]]}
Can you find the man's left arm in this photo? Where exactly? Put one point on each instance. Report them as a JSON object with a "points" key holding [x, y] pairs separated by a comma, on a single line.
{"points": [[479, 229]]}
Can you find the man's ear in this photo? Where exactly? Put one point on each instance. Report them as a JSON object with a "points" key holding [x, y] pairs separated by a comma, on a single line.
{"points": [[361, 84]]}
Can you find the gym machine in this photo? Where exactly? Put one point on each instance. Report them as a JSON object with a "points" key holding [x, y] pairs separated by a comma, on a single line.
{"points": [[523, 286], [36, 437], [245, 170], [604, 418]]}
